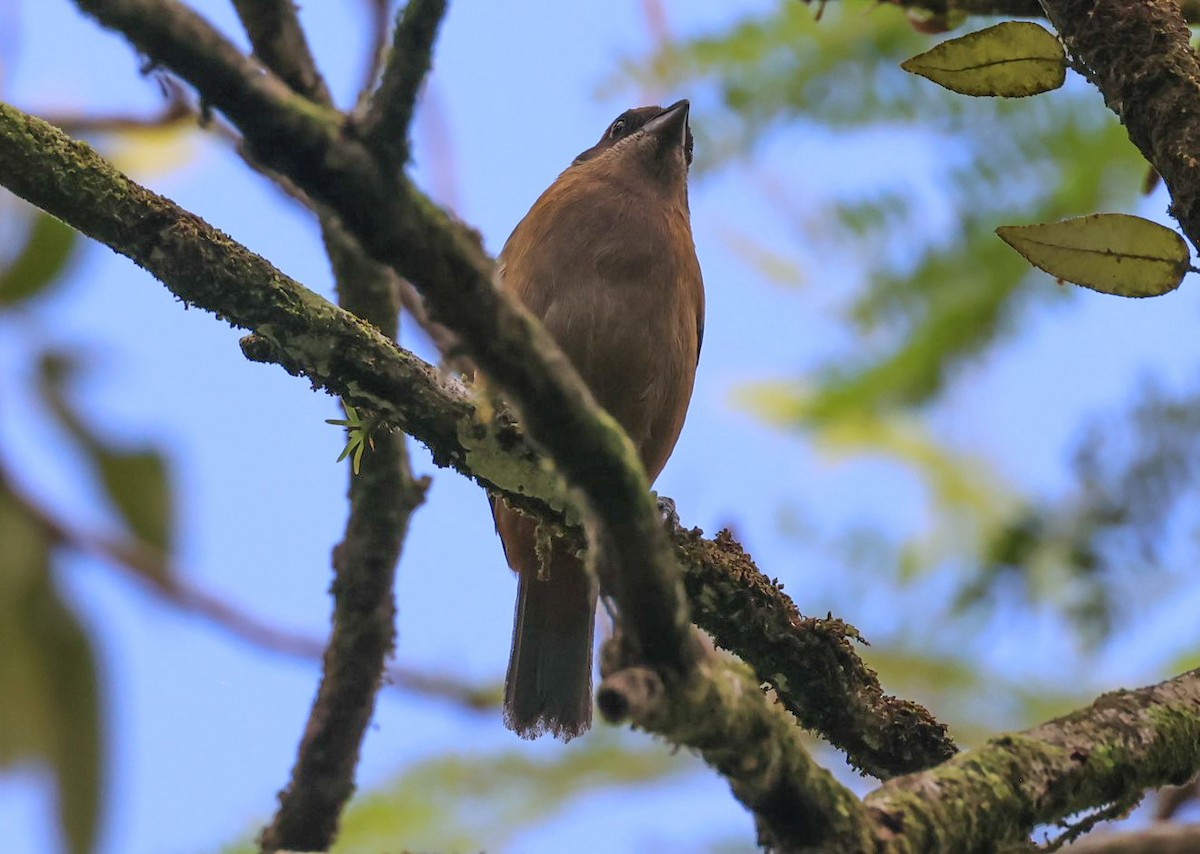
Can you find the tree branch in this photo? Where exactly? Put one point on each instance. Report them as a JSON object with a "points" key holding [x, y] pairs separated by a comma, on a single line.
{"points": [[1112, 751], [386, 126], [377, 50], [1137, 53], [811, 662], [280, 44], [721, 713], [1002, 8], [383, 496]]}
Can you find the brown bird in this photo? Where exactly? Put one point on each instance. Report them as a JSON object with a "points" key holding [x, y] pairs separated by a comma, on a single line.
{"points": [[605, 259]]}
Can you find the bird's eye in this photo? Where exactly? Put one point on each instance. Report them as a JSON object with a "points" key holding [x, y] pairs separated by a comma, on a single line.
{"points": [[618, 127]]}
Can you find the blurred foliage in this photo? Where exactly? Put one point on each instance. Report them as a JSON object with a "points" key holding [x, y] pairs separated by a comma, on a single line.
{"points": [[939, 290], [974, 700], [135, 480], [49, 693], [484, 801], [1106, 539], [50, 690], [48, 247], [941, 287]]}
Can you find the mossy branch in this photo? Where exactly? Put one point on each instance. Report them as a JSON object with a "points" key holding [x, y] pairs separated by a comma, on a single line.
{"points": [[1109, 752]]}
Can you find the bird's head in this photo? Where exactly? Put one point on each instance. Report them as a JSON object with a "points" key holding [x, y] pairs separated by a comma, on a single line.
{"points": [[654, 141]]}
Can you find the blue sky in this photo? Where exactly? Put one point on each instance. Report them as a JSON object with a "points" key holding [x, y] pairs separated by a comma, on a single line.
{"points": [[202, 728]]}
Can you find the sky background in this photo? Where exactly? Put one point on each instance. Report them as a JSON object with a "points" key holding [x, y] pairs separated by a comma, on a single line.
{"points": [[202, 728]]}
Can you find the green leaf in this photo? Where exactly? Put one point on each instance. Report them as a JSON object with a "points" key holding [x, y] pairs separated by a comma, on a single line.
{"points": [[1112, 253], [1009, 60], [49, 702], [358, 435], [40, 263], [137, 483]]}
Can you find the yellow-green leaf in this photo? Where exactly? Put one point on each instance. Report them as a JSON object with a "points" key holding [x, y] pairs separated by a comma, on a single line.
{"points": [[1112, 253], [1009, 60]]}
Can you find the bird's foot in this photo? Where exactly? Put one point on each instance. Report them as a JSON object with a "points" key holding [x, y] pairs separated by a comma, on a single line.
{"points": [[667, 511]]}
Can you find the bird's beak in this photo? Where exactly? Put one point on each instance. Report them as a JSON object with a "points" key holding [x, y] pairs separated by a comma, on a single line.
{"points": [[671, 125]]}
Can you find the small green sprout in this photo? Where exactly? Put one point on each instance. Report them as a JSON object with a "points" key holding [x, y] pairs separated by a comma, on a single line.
{"points": [[358, 434]]}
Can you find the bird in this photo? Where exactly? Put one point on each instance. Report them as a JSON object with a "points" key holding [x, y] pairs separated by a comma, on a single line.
{"points": [[605, 259]]}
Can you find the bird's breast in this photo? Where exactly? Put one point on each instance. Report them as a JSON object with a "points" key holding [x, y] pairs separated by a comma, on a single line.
{"points": [[617, 284]]}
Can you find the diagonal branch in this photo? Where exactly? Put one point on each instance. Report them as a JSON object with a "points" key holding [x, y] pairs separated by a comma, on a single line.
{"points": [[279, 43], [377, 50], [1110, 752], [812, 663]]}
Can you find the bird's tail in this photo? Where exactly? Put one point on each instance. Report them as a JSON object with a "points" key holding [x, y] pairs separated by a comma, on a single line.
{"points": [[549, 682]]}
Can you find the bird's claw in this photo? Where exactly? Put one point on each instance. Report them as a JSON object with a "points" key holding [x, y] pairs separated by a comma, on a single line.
{"points": [[667, 511]]}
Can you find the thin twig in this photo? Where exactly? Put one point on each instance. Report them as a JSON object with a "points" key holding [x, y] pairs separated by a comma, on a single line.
{"points": [[280, 44], [177, 108], [387, 124], [377, 52], [153, 572]]}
